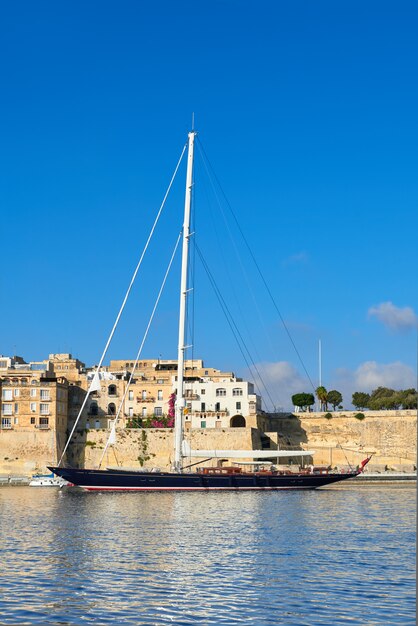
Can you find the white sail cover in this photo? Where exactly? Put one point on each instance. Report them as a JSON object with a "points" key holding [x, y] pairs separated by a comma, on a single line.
{"points": [[242, 454]]}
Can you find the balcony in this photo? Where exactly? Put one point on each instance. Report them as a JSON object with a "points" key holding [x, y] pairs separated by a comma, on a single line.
{"points": [[221, 413]]}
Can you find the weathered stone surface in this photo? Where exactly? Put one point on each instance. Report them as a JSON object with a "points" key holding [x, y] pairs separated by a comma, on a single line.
{"points": [[390, 435]]}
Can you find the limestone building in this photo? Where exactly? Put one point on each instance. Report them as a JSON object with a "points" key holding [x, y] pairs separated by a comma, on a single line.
{"points": [[34, 413]]}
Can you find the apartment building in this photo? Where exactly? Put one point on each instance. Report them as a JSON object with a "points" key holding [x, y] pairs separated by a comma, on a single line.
{"points": [[221, 403], [50, 393]]}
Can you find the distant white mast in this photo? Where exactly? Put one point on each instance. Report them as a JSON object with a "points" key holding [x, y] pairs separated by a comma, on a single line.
{"points": [[180, 401], [320, 407], [320, 363]]}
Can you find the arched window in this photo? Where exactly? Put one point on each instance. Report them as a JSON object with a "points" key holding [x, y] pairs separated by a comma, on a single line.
{"points": [[94, 409], [111, 409], [237, 421], [221, 392], [237, 391], [111, 390]]}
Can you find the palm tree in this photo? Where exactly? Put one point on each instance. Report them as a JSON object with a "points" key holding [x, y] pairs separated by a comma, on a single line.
{"points": [[322, 395]]}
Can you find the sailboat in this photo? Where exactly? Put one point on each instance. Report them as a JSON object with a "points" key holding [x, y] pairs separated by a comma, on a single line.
{"points": [[243, 475]]}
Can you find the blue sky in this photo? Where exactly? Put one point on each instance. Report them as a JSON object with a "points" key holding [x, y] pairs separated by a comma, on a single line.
{"points": [[307, 113]]}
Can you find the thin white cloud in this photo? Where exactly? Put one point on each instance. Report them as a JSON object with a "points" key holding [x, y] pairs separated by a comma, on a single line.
{"points": [[297, 259], [370, 375], [397, 375], [282, 380], [393, 317]]}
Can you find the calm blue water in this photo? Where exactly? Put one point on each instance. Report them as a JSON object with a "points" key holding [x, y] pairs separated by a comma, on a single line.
{"points": [[328, 557]]}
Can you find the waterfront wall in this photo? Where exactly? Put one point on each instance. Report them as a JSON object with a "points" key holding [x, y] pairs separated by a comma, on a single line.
{"points": [[27, 452], [153, 447], [390, 435]]}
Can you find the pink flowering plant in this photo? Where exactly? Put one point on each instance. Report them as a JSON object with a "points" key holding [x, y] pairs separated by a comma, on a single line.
{"points": [[156, 421], [165, 421]]}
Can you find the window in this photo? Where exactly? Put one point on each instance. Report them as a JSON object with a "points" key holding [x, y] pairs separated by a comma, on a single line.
{"points": [[159, 395], [217, 406], [220, 392], [3, 365], [94, 409], [144, 395], [203, 406], [158, 411], [16, 420], [206, 372], [7, 409], [16, 407], [203, 424], [131, 395], [44, 409], [203, 391], [7, 394], [6, 422], [33, 393], [45, 394], [33, 407], [111, 390], [238, 406], [97, 424], [160, 381], [111, 409], [33, 420], [237, 391], [144, 411], [43, 422], [16, 393], [130, 412]]}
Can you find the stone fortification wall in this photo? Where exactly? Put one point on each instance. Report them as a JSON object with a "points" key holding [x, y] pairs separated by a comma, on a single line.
{"points": [[27, 452], [153, 447], [390, 435]]}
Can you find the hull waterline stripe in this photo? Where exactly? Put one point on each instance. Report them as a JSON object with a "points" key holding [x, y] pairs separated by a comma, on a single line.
{"points": [[88, 488]]}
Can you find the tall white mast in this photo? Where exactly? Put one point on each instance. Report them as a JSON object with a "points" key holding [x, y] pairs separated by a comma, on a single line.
{"points": [[180, 401]]}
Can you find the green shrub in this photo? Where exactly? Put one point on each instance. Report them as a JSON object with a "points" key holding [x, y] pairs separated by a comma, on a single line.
{"points": [[328, 416], [360, 416]]}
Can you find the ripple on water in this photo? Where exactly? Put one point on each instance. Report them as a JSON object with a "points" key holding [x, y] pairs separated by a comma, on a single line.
{"points": [[337, 557]]}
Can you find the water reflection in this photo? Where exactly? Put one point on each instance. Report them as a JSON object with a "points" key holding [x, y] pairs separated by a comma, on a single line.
{"points": [[316, 558]]}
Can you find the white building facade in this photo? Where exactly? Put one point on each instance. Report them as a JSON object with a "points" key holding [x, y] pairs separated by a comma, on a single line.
{"points": [[221, 403]]}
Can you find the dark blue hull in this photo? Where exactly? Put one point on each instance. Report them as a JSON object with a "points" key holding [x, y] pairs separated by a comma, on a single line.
{"points": [[120, 480]]}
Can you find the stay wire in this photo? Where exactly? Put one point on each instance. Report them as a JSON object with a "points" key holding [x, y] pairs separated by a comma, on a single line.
{"points": [[128, 291], [241, 264], [138, 356], [257, 267], [235, 331]]}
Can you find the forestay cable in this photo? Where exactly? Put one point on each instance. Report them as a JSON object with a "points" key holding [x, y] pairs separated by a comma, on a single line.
{"points": [[95, 383]]}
